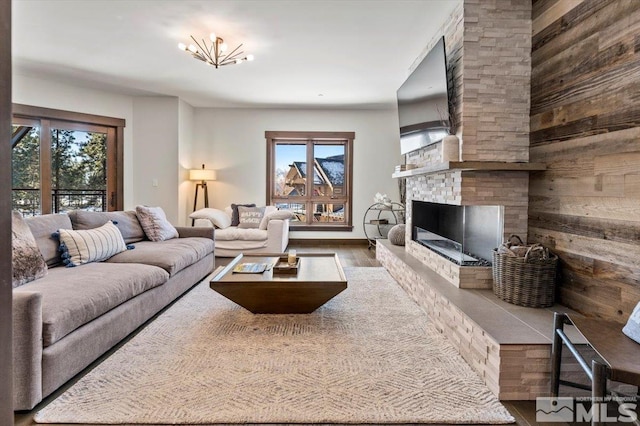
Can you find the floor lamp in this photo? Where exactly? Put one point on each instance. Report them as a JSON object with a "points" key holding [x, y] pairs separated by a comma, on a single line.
{"points": [[202, 175]]}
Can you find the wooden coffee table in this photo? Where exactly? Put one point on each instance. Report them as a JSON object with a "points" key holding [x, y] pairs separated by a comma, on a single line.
{"points": [[319, 278]]}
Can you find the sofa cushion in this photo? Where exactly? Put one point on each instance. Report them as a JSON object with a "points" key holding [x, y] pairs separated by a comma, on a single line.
{"points": [[27, 261], [43, 227], [71, 297], [155, 224], [171, 255], [233, 233], [126, 221]]}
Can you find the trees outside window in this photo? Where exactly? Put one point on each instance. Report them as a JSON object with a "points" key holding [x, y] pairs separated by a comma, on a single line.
{"points": [[65, 161], [310, 173]]}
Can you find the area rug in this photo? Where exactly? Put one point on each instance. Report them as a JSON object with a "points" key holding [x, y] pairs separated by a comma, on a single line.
{"points": [[370, 355]]}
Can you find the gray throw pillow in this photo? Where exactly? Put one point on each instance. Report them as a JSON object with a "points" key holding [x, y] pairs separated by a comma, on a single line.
{"points": [[632, 328], [250, 217], [155, 223], [235, 216], [27, 261], [126, 221]]}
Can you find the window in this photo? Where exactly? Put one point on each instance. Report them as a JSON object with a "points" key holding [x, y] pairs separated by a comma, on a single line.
{"points": [[320, 194], [64, 161]]}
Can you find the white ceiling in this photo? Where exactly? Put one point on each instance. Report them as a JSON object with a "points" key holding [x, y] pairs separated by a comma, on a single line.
{"points": [[308, 53]]}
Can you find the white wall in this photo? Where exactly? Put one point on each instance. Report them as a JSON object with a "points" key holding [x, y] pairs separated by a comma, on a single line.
{"points": [[165, 136], [155, 151], [232, 142], [49, 94], [186, 122]]}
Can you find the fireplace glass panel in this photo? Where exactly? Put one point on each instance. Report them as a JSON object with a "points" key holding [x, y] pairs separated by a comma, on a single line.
{"points": [[465, 235]]}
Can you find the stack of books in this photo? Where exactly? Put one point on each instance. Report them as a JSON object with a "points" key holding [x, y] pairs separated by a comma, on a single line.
{"points": [[405, 167]]}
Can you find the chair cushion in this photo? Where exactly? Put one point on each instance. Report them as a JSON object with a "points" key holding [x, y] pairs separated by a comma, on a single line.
{"points": [[126, 221], [272, 213], [72, 297], [233, 233], [218, 218], [171, 255]]}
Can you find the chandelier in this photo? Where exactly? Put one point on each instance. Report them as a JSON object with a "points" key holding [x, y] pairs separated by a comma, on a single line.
{"points": [[215, 54]]}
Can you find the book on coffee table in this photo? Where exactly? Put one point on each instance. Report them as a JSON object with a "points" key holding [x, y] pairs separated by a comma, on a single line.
{"points": [[251, 268]]}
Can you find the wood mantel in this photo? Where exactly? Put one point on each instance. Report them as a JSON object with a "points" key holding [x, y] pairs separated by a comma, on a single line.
{"points": [[470, 166]]}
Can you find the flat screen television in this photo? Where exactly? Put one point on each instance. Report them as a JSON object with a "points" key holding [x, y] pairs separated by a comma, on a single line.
{"points": [[423, 102]]}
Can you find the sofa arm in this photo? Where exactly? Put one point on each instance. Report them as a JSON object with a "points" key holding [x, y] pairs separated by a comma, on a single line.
{"points": [[277, 235], [186, 232], [27, 349]]}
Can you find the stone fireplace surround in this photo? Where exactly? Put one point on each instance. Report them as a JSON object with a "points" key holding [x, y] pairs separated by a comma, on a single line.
{"points": [[488, 48]]}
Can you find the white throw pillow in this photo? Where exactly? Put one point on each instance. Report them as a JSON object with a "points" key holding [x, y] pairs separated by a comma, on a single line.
{"points": [[278, 214], [632, 328], [90, 245], [218, 218], [155, 223]]}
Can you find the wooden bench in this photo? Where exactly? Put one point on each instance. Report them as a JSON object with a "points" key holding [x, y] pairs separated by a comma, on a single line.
{"points": [[619, 356]]}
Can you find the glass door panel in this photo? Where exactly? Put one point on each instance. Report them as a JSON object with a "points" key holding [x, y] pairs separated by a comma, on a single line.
{"points": [[25, 168], [78, 170]]}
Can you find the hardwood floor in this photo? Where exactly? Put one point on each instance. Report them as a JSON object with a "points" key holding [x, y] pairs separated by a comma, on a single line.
{"points": [[350, 254]]}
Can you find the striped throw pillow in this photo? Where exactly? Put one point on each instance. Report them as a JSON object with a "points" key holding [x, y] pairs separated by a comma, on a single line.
{"points": [[90, 245]]}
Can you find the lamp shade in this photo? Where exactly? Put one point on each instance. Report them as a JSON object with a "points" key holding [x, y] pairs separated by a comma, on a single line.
{"points": [[202, 174]]}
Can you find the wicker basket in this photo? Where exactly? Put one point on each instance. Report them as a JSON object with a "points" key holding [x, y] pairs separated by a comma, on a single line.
{"points": [[525, 281]]}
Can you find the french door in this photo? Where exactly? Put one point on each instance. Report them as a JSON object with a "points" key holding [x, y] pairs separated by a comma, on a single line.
{"points": [[61, 165]]}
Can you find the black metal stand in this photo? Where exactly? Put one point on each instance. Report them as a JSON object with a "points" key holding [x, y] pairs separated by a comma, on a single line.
{"points": [[202, 184]]}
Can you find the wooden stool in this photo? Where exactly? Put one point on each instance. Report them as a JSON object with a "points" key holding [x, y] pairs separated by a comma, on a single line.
{"points": [[620, 355]]}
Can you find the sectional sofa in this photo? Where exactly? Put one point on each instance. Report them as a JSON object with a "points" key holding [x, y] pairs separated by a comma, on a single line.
{"points": [[68, 318]]}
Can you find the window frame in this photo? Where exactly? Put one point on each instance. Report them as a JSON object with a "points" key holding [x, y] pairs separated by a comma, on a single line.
{"points": [[48, 118], [311, 138]]}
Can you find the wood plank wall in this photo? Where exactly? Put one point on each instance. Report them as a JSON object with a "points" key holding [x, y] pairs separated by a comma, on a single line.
{"points": [[585, 125]]}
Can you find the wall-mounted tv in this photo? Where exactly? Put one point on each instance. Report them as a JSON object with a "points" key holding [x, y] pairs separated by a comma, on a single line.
{"points": [[423, 102]]}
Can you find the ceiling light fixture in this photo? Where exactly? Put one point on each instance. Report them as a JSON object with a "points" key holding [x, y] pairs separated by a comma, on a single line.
{"points": [[215, 54]]}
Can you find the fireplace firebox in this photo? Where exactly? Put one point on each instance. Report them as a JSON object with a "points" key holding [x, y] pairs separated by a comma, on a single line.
{"points": [[466, 235]]}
